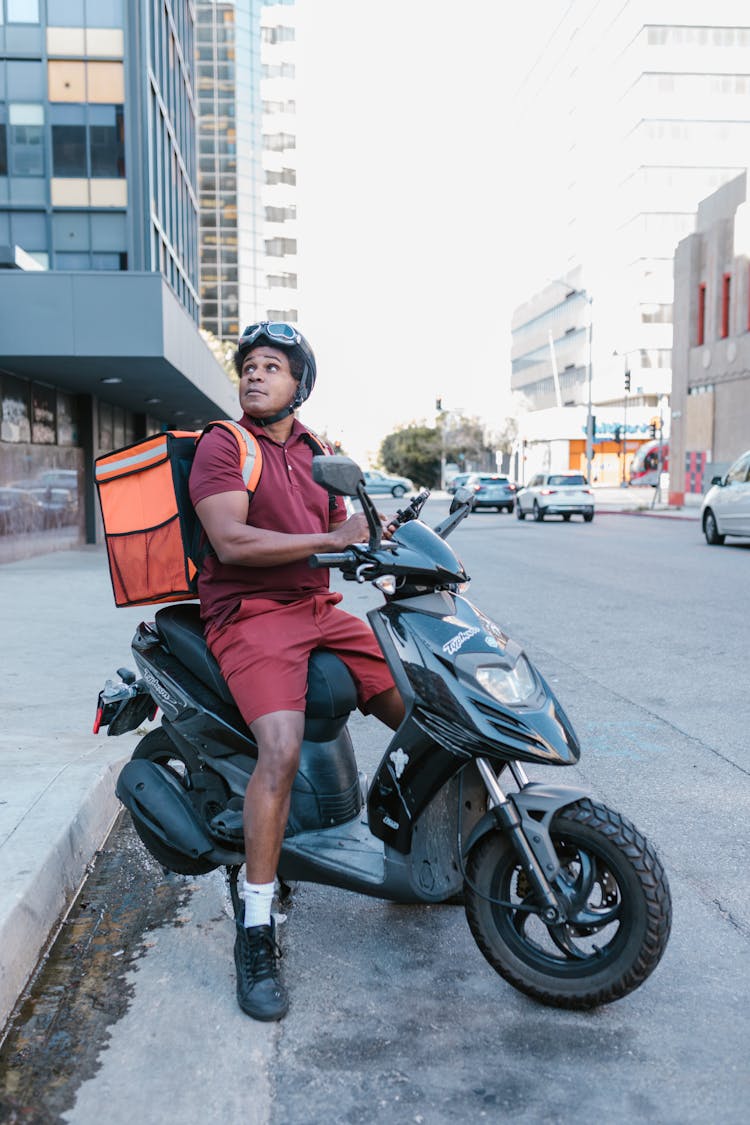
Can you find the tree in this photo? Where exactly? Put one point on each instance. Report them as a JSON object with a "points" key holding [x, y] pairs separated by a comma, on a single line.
{"points": [[223, 353], [465, 442], [413, 452]]}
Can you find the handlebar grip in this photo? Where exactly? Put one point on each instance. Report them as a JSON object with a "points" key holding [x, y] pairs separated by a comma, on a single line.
{"points": [[331, 558]]}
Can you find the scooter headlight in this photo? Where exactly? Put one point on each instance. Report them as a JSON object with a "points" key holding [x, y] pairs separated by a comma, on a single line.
{"points": [[507, 685]]}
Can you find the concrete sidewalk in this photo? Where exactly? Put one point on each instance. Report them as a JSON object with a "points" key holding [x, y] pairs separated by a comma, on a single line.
{"points": [[62, 637], [640, 501]]}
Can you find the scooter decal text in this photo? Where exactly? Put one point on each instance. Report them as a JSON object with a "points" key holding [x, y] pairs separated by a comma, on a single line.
{"points": [[459, 640], [400, 761]]}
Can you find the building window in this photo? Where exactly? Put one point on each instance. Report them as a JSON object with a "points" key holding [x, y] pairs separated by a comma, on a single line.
{"points": [[26, 139], [278, 142], [278, 34], [726, 292], [278, 247], [701, 332], [23, 11], [280, 214], [69, 150], [3, 150], [656, 314], [88, 141], [281, 281], [282, 176], [16, 413], [107, 141]]}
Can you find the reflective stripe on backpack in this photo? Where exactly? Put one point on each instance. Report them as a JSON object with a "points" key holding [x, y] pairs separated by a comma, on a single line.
{"points": [[251, 457]]}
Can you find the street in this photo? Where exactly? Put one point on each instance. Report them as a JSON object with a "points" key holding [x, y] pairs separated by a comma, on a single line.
{"points": [[641, 629]]}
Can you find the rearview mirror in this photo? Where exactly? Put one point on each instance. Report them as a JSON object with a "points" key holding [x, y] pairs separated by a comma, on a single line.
{"points": [[717, 480], [461, 496], [338, 474]]}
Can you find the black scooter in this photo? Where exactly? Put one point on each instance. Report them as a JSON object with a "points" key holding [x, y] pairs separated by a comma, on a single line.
{"points": [[565, 898]]}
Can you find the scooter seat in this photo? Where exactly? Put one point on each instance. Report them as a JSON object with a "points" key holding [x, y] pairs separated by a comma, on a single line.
{"points": [[330, 688]]}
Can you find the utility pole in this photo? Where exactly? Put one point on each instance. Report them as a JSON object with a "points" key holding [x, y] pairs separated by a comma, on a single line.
{"points": [[589, 415], [441, 423], [624, 481]]}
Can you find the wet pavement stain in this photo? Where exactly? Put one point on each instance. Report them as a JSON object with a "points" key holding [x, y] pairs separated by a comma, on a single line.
{"points": [[80, 989]]}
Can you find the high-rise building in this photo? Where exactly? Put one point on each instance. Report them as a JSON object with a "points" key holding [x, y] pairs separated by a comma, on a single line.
{"points": [[230, 170], [278, 88], [99, 340], [644, 110]]}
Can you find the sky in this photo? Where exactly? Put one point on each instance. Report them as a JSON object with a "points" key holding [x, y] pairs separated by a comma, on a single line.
{"points": [[413, 211]]}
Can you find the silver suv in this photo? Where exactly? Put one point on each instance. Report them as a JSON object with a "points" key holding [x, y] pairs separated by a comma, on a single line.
{"points": [[556, 494]]}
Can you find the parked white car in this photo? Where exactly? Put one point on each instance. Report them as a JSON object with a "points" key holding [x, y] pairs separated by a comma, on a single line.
{"points": [[726, 506], [556, 494]]}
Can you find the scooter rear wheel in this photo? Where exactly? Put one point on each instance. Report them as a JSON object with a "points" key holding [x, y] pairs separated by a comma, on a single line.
{"points": [[619, 913], [157, 746]]}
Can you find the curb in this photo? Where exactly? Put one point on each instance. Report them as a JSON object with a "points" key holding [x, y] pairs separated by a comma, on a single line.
{"points": [[52, 855], [648, 514]]}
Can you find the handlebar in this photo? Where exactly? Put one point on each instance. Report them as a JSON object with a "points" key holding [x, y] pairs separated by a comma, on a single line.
{"points": [[332, 558]]}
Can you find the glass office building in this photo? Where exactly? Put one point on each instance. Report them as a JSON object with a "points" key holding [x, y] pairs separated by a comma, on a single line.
{"points": [[229, 164], [99, 270]]}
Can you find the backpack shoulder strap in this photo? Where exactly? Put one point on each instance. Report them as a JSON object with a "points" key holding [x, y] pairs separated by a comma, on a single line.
{"points": [[251, 457], [316, 443]]}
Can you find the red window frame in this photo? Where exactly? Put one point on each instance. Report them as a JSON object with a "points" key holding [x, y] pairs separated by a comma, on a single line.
{"points": [[701, 334], [726, 296]]}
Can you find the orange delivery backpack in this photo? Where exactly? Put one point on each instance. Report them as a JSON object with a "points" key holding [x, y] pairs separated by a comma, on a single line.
{"points": [[155, 542]]}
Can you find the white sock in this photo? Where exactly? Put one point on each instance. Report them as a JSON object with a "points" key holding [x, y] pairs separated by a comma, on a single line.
{"points": [[258, 898]]}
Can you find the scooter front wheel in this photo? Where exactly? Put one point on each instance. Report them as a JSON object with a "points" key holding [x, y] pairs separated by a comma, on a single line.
{"points": [[618, 913]]}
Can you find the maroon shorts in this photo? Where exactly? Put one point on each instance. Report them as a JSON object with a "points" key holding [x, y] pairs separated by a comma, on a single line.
{"points": [[264, 648]]}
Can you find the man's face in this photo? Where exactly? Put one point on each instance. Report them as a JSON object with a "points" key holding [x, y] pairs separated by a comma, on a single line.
{"points": [[266, 382]]}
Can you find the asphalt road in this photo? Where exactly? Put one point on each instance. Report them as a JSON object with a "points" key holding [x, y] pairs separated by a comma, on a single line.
{"points": [[642, 631]]}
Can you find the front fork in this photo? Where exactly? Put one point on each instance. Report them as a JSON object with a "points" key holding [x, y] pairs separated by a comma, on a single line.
{"points": [[537, 855]]}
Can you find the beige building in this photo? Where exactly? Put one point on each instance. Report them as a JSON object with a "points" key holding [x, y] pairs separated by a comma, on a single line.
{"points": [[711, 352]]}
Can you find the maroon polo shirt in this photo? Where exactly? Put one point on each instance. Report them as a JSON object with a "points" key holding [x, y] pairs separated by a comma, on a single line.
{"points": [[287, 499]]}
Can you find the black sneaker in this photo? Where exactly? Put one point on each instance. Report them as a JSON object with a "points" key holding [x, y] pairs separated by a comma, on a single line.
{"points": [[260, 992]]}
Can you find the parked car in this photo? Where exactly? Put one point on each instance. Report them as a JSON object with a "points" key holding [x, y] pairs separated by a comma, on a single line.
{"points": [[726, 506], [492, 491], [20, 511], [456, 482], [377, 482], [556, 494]]}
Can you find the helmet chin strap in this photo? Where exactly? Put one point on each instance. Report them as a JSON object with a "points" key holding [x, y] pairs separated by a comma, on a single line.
{"points": [[290, 409]]}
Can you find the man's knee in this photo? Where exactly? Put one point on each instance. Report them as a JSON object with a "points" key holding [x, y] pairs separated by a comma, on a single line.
{"points": [[279, 739]]}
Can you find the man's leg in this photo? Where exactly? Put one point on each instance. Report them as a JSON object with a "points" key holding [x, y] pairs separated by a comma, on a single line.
{"points": [[388, 707], [260, 992], [279, 738]]}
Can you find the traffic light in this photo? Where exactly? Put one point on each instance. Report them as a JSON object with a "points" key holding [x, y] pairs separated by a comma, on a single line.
{"points": [[438, 404], [618, 433], [652, 429], [627, 379]]}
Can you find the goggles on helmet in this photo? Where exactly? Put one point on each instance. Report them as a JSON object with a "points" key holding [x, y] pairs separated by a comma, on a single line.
{"points": [[282, 333]]}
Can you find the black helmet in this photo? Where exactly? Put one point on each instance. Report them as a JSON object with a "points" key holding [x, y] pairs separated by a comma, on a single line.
{"points": [[280, 335]]}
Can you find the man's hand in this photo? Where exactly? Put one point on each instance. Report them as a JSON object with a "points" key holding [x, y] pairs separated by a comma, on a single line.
{"points": [[353, 530]]}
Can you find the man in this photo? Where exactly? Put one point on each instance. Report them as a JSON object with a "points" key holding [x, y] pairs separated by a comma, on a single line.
{"points": [[265, 610]]}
